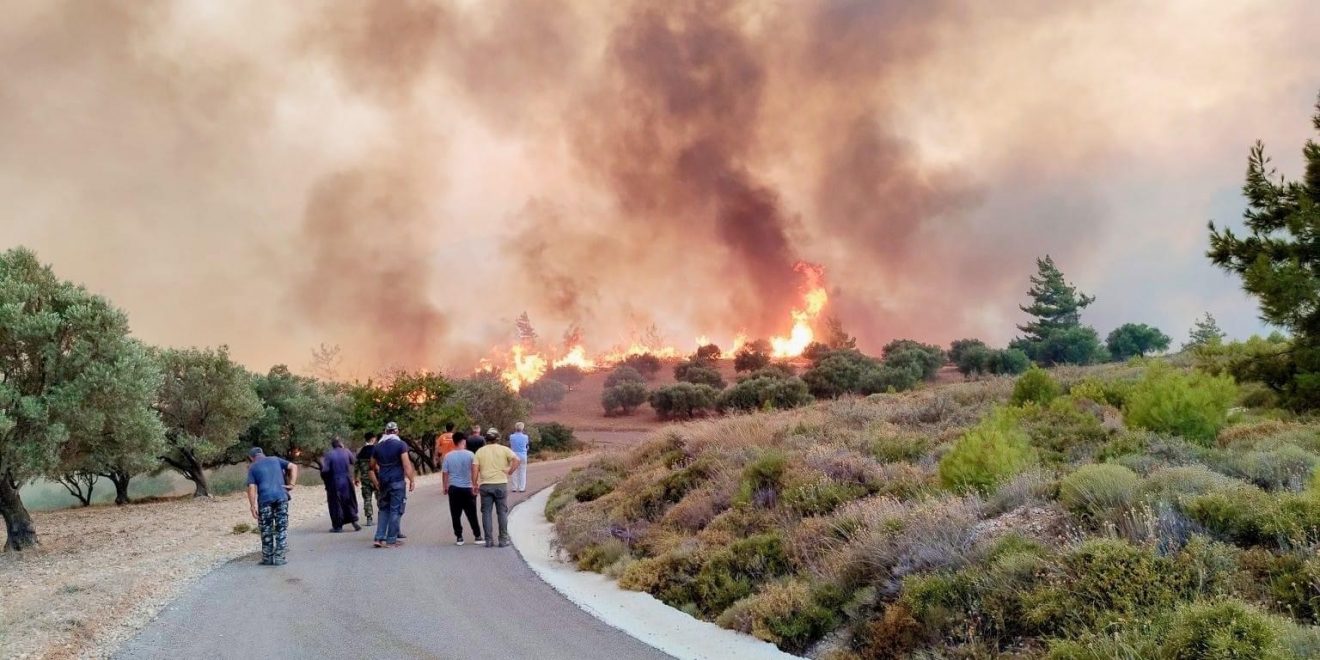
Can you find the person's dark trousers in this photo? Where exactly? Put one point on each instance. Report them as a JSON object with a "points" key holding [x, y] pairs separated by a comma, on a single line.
{"points": [[332, 502], [497, 496], [462, 501], [396, 495], [273, 520], [348, 510], [368, 494]]}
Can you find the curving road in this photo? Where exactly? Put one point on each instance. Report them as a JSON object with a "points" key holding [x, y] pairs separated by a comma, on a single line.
{"points": [[340, 598]]}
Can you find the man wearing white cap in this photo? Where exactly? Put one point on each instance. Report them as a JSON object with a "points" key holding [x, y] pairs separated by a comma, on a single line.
{"points": [[390, 468]]}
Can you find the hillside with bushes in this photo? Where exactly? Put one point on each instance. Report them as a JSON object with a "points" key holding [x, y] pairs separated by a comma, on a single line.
{"points": [[1128, 510]]}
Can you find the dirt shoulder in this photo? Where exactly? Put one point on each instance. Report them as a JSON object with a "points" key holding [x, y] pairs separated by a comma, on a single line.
{"points": [[103, 572]]}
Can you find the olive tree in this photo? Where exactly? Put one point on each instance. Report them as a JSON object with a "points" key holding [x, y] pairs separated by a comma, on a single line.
{"points": [[207, 402], [64, 354]]}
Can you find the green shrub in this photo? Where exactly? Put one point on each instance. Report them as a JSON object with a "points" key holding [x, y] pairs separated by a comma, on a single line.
{"points": [[900, 447], [1239, 513], [699, 373], [1173, 484], [1008, 362], [623, 398], [1063, 430], [752, 356], [545, 394], [644, 364], [763, 477], [1108, 392], [567, 374], [1194, 406], [683, 400], [554, 437], [909, 354], [669, 577], [887, 377], [790, 614], [821, 496], [765, 393], [988, 454], [598, 557], [241, 528], [739, 570], [1290, 581], [1035, 386], [837, 374], [1288, 467], [623, 374], [1097, 489], [1221, 629]]}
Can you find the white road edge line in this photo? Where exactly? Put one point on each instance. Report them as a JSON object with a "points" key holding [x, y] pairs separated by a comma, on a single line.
{"points": [[638, 614]]}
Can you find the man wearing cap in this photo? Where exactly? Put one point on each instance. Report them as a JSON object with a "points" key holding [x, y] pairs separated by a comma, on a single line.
{"points": [[391, 467], [270, 478]]}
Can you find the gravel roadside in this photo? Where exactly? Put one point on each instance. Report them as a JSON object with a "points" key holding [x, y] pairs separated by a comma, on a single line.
{"points": [[103, 572]]}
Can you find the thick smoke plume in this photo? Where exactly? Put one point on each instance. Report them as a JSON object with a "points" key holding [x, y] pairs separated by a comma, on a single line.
{"points": [[405, 177]]}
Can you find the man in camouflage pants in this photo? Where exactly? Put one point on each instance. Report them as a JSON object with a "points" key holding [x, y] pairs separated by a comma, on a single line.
{"points": [[268, 484], [363, 467]]}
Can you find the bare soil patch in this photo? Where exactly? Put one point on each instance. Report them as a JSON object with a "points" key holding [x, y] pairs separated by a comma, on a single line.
{"points": [[103, 572]]}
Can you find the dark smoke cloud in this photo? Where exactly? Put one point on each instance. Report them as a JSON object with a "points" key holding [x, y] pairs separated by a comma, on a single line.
{"points": [[404, 177]]}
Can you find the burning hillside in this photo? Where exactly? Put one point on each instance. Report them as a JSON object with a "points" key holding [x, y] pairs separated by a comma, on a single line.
{"points": [[528, 359]]}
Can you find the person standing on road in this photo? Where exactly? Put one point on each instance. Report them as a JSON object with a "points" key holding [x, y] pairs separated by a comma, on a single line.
{"points": [[337, 473], [268, 484], [444, 443], [459, 472], [364, 481], [475, 441], [392, 467], [495, 463], [521, 445]]}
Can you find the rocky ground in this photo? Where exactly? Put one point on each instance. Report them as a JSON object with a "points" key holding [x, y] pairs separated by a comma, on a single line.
{"points": [[103, 572]]}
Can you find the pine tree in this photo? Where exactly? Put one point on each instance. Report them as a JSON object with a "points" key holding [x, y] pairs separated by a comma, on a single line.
{"points": [[526, 333], [1279, 263], [1056, 304], [836, 336], [1205, 332]]}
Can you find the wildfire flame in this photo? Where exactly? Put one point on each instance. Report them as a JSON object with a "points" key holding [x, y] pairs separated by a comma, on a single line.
{"points": [[524, 365]]}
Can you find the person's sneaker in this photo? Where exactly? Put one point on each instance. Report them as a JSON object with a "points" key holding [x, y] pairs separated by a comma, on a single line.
{"points": [[280, 562], [265, 562], [478, 540], [403, 536], [505, 544], [336, 530], [459, 542], [357, 527], [489, 544]]}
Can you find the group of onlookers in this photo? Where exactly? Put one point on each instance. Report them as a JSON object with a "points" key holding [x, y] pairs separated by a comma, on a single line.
{"points": [[475, 467]]}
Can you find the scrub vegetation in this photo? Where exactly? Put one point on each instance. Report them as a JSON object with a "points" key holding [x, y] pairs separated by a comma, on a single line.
{"points": [[1120, 510]]}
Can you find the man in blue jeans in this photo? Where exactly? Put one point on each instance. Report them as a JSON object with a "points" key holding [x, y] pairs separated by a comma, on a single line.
{"points": [[268, 496], [390, 468]]}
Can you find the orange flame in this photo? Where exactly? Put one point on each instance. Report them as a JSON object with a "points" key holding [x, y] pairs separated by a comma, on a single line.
{"points": [[576, 357], [814, 299], [524, 368]]}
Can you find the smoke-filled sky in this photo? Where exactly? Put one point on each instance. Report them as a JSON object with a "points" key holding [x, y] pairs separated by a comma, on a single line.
{"points": [[404, 177]]}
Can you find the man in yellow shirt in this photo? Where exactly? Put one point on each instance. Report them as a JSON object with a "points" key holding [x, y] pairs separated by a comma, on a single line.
{"points": [[495, 463]]}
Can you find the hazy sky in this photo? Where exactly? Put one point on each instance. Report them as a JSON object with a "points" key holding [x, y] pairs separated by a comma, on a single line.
{"points": [[404, 177]]}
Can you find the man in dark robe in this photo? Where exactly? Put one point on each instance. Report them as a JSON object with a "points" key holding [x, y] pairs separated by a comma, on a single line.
{"points": [[337, 473]]}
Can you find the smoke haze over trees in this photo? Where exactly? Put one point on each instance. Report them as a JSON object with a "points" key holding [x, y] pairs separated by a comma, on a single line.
{"points": [[402, 179]]}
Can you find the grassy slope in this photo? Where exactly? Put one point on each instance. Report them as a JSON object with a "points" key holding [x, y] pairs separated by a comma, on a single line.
{"points": [[827, 530]]}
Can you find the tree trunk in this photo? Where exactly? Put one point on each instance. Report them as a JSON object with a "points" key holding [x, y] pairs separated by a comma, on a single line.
{"points": [[197, 475], [192, 470], [120, 480], [18, 524]]}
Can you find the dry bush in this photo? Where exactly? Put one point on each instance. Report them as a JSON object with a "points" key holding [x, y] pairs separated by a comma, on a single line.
{"points": [[887, 540], [699, 508], [1035, 487]]}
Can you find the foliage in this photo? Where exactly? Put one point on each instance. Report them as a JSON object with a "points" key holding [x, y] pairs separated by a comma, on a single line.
{"points": [[1221, 629], [683, 400], [836, 337], [763, 478], [738, 570], [1194, 405], [623, 398], [1035, 386], [837, 374], [1095, 490], [570, 375], [907, 354], [1204, 332], [645, 364], [1064, 430], [1055, 335], [545, 394], [699, 374], [765, 393], [299, 415], [850, 372], [752, 356], [554, 437], [621, 375], [1278, 260], [959, 349], [69, 373], [1135, 340], [980, 360], [790, 614], [987, 454], [707, 353], [485, 400], [206, 402]]}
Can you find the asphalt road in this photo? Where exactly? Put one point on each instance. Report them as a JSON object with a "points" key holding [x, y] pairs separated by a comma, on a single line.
{"points": [[338, 597]]}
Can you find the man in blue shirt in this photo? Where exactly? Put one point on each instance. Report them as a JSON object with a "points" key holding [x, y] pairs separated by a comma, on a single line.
{"points": [[268, 484], [520, 444], [460, 484], [391, 467]]}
